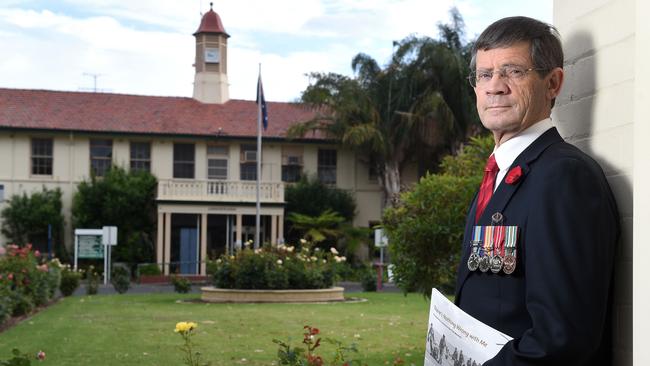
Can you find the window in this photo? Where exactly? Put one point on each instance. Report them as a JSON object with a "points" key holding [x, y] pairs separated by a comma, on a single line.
{"points": [[291, 163], [327, 166], [140, 156], [101, 156], [41, 156], [248, 162], [2, 192], [217, 162], [184, 161], [373, 174]]}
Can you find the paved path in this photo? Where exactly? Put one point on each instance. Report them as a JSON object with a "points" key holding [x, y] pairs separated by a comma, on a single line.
{"points": [[167, 288]]}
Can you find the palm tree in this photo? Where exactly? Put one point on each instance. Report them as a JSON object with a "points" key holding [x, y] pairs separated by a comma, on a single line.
{"points": [[419, 103]]}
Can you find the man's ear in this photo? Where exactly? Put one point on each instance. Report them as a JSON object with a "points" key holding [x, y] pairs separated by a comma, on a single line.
{"points": [[555, 79]]}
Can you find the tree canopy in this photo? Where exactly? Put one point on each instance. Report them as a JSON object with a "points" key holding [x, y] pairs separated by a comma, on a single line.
{"points": [[417, 106], [123, 199]]}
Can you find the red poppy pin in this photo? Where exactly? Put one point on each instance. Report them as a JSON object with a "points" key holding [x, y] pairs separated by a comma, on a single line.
{"points": [[514, 175]]}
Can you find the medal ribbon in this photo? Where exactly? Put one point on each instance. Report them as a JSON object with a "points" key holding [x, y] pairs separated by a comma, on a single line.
{"points": [[511, 240], [477, 238], [499, 248], [487, 245]]}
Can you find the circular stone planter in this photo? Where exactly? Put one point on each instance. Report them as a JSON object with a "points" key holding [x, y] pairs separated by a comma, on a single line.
{"points": [[213, 294]]}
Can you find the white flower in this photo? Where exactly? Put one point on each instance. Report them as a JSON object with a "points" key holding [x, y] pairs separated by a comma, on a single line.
{"points": [[218, 261], [334, 251], [290, 249], [313, 258], [324, 260], [316, 249], [232, 257], [343, 259], [303, 241], [258, 250], [279, 262]]}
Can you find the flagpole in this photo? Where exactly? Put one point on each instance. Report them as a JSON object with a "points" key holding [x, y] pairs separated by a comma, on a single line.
{"points": [[259, 157]]}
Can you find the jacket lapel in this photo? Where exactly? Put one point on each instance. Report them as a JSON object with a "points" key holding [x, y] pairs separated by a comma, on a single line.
{"points": [[502, 196]]}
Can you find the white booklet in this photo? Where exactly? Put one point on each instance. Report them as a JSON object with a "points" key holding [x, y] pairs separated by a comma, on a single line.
{"points": [[455, 338]]}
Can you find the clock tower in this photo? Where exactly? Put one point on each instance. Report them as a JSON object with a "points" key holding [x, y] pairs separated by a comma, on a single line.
{"points": [[211, 62]]}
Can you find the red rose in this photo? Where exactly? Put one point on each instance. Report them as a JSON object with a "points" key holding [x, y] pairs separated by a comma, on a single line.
{"points": [[514, 175]]}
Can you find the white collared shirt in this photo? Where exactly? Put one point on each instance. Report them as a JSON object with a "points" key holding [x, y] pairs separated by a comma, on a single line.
{"points": [[507, 152]]}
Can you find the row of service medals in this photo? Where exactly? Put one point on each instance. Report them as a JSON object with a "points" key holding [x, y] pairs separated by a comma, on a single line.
{"points": [[493, 249]]}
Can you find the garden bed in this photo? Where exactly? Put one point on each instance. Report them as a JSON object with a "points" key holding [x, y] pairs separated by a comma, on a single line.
{"points": [[220, 295]]}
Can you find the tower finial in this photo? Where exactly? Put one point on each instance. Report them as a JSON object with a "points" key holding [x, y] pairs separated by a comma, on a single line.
{"points": [[210, 5]]}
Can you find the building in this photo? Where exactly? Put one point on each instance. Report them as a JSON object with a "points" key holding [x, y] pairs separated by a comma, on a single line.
{"points": [[201, 149]]}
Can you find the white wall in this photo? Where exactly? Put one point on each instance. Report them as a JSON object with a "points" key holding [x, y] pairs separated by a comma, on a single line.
{"points": [[596, 112]]}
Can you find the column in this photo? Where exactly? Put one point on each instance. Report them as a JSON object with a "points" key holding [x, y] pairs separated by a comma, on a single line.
{"points": [[274, 229], [239, 229], [204, 242], [281, 227], [160, 238], [168, 242]]}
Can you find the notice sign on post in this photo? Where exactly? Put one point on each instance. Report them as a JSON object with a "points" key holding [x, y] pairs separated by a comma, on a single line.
{"points": [[90, 246], [109, 235]]}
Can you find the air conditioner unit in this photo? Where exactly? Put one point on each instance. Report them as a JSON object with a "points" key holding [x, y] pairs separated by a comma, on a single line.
{"points": [[294, 160], [250, 155]]}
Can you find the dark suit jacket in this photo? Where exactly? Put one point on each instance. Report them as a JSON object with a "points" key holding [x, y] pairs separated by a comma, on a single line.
{"points": [[556, 305]]}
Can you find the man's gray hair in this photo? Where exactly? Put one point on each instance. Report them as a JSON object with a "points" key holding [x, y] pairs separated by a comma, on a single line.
{"points": [[545, 44]]}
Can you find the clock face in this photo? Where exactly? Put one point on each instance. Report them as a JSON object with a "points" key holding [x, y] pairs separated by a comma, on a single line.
{"points": [[212, 55]]}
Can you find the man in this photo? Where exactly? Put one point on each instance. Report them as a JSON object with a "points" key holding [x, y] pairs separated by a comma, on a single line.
{"points": [[540, 236]]}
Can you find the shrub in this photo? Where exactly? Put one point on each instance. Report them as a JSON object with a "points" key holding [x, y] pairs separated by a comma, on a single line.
{"points": [[426, 229], [69, 280], [21, 272], [25, 219], [312, 198], [40, 289], [181, 284], [92, 281], [308, 356], [6, 306], [369, 279], [121, 279], [53, 277], [125, 199], [21, 304], [150, 269], [22, 359], [278, 267]]}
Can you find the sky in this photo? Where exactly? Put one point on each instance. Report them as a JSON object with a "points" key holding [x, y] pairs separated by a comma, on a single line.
{"points": [[146, 47]]}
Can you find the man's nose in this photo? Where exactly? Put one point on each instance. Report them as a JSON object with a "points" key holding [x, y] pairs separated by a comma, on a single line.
{"points": [[496, 85]]}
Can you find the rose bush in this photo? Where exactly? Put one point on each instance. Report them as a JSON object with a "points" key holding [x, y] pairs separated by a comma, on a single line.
{"points": [[25, 280], [277, 267]]}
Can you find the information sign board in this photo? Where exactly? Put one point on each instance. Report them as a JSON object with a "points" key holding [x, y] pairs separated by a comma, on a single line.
{"points": [[90, 246]]}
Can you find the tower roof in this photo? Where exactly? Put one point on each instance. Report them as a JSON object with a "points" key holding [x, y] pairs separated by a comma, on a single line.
{"points": [[211, 23]]}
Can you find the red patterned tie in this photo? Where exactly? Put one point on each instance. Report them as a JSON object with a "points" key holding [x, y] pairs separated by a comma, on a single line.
{"points": [[487, 185]]}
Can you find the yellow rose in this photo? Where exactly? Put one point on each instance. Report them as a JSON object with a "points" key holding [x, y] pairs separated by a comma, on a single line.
{"points": [[184, 327]]}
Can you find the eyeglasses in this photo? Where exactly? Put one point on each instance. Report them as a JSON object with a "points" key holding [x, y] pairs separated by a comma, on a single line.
{"points": [[480, 78]]}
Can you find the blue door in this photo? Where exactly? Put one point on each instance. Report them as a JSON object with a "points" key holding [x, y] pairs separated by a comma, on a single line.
{"points": [[189, 250]]}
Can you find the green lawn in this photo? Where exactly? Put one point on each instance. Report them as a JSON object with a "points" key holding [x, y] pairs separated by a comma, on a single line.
{"points": [[138, 329]]}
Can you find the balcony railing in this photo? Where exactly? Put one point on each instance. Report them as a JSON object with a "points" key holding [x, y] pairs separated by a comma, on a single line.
{"points": [[219, 190]]}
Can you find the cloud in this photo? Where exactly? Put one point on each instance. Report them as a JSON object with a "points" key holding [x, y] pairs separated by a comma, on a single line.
{"points": [[146, 46]]}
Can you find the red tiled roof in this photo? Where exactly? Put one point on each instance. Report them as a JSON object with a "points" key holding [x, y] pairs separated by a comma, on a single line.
{"points": [[122, 113], [211, 23]]}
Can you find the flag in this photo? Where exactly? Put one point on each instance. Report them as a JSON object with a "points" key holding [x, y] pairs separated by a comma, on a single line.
{"points": [[260, 100]]}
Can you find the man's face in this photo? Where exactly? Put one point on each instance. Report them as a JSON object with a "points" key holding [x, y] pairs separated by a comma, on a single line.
{"points": [[507, 106]]}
